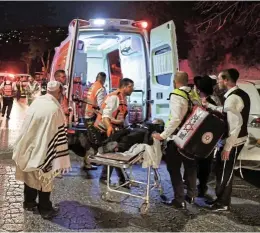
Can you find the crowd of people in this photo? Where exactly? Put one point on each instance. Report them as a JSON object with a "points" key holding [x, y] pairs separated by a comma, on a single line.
{"points": [[106, 121], [11, 88]]}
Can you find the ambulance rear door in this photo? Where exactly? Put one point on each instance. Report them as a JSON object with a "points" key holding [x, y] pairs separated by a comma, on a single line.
{"points": [[71, 58], [163, 66]]}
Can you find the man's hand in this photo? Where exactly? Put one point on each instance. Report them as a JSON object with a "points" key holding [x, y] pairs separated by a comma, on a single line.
{"points": [[110, 131], [225, 155], [157, 136], [204, 102]]}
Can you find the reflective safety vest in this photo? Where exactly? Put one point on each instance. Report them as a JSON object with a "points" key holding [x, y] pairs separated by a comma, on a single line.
{"points": [[92, 99], [118, 116], [195, 98], [192, 97], [8, 89]]}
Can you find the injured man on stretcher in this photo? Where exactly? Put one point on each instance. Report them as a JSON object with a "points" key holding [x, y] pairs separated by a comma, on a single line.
{"points": [[131, 142], [109, 134]]}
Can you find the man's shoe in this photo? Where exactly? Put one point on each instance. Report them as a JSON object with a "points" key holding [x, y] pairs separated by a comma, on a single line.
{"points": [[30, 206], [190, 200], [217, 207], [48, 215], [90, 168], [175, 204]]}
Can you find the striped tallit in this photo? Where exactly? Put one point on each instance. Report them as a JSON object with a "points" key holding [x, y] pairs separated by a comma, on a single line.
{"points": [[42, 145]]}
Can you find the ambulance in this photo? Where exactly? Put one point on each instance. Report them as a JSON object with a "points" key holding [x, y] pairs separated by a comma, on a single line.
{"points": [[121, 48]]}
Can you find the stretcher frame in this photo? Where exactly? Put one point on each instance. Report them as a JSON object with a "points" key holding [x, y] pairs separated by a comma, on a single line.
{"points": [[130, 179]]}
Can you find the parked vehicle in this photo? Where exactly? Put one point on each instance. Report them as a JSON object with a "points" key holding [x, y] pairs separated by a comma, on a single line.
{"points": [[249, 157], [120, 48]]}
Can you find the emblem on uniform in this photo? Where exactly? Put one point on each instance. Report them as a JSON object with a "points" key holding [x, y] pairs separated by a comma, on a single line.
{"points": [[207, 137]]}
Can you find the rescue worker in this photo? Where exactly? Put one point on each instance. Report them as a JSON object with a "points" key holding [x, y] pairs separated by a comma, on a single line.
{"points": [[180, 108], [114, 111], [61, 77], [95, 98], [31, 89], [8, 89], [237, 107]]}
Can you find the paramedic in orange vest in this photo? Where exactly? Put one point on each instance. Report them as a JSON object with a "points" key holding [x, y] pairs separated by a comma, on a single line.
{"points": [[8, 89], [95, 98], [114, 111]]}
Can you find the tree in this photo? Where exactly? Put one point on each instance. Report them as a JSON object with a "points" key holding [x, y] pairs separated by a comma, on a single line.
{"points": [[41, 49], [27, 58], [216, 39], [218, 14]]}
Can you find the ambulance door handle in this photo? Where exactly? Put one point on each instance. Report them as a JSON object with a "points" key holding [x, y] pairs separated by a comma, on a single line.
{"points": [[159, 95], [150, 101]]}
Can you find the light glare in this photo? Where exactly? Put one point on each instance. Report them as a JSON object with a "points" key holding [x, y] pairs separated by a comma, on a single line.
{"points": [[99, 22]]}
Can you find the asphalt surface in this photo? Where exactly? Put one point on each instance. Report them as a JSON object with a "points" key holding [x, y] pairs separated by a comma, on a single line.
{"points": [[82, 209]]}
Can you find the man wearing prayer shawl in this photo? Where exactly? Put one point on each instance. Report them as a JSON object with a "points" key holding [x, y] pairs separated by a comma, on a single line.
{"points": [[41, 151]]}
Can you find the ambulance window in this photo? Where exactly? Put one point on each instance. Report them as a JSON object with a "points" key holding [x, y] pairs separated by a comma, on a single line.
{"points": [[162, 65]]}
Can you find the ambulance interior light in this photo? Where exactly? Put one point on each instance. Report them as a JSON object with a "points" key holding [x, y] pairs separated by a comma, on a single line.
{"points": [[99, 22]]}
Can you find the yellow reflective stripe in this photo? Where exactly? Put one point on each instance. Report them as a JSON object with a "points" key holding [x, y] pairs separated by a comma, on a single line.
{"points": [[181, 93]]}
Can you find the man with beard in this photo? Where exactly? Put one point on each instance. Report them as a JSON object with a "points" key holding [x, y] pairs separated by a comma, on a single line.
{"points": [[237, 108]]}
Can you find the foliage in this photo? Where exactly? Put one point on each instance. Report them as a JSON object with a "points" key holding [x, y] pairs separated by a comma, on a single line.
{"points": [[218, 14], [215, 39]]}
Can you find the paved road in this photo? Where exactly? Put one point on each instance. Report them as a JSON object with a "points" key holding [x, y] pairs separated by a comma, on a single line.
{"points": [[82, 209]]}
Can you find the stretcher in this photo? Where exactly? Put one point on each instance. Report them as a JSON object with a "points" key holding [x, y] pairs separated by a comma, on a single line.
{"points": [[126, 162]]}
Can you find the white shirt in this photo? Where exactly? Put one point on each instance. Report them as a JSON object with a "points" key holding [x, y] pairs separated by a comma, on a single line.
{"points": [[178, 109], [112, 103], [101, 93], [233, 106]]}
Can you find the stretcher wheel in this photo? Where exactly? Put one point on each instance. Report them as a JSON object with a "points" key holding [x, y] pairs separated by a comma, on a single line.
{"points": [[105, 196], [144, 208]]}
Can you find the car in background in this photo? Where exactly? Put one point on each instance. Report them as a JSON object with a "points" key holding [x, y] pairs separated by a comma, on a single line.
{"points": [[249, 158]]}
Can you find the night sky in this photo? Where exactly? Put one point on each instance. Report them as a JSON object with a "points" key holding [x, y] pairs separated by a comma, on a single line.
{"points": [[23, 14]]}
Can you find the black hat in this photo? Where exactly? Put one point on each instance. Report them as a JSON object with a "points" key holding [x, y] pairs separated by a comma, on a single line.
{"points": [[205, 85]]}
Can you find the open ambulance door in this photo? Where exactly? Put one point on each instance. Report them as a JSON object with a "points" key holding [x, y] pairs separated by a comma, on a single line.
{"points": [[163, 66], [73, 28], [71, 55]]}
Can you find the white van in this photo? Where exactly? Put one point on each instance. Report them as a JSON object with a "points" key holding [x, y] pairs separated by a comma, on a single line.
{"points": [[249, 158], [123, 46]]}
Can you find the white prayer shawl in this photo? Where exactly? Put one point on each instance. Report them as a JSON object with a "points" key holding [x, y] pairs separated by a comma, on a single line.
{"points": [[42, 145]]}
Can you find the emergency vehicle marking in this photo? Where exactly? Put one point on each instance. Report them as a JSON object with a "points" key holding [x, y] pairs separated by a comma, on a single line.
{"points": [[207, 137]]}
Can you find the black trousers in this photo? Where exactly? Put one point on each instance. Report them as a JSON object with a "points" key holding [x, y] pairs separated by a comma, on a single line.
{"points": [[30, 196], [225, 175], [204, 168], [96, 139], [7, 103], [174, 161]]}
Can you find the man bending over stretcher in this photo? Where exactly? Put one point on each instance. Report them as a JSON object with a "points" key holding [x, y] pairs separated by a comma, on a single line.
{"points": [[112, 117]]}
